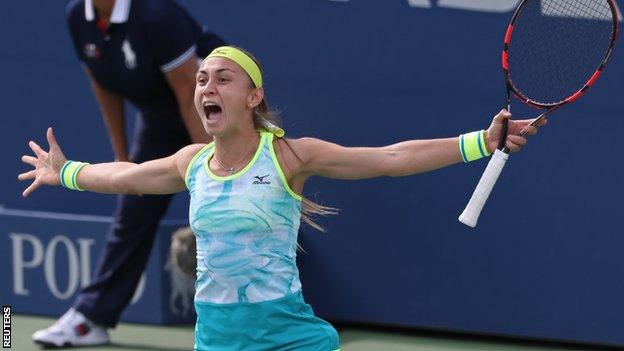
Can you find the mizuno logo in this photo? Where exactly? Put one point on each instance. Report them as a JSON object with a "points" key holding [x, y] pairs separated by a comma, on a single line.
{"points": [[260, 180]]}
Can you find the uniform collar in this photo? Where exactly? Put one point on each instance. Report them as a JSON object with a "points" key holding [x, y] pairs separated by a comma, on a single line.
{"points": [[121, 9]]}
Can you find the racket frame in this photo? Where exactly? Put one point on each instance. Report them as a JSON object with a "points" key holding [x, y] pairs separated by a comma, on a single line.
{"points": [[473, 209], [505, 61]]}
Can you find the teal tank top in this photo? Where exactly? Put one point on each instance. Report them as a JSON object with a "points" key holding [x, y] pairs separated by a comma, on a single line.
{"points": [[248, 294], [246, 227]]}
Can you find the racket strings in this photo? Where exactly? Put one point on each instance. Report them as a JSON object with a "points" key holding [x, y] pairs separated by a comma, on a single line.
{"points": [[557, 45], [594, 10]]}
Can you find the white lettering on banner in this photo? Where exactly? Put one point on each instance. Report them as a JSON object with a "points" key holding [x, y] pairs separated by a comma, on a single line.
{"points": [[419, 3], [19, 264], [470, 5], [79, 264], [85, 260], [499, 6], [50, 265], [480, 5]]}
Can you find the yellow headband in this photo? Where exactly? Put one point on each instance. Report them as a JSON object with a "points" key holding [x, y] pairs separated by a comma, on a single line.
{"points": [[246, 63]]}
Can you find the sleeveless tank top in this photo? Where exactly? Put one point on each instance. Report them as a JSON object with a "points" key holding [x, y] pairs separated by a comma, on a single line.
{"points": [[246, 226]]}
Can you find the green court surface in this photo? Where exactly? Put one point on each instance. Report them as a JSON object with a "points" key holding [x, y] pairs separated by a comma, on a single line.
{"points": [[157, 338]]}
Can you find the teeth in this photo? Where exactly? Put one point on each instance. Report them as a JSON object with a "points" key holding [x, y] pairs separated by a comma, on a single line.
{"points": [[211, 108]]}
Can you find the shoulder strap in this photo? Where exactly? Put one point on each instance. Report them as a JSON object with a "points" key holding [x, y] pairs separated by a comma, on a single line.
{"points": [[279, 168], [204, 150]]}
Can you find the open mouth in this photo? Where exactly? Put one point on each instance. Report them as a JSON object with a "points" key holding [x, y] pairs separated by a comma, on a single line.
{"points": [[212, 110]]}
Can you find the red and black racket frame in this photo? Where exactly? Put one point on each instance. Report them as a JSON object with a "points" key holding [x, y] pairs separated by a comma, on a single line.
{"points": [[549, 107]]}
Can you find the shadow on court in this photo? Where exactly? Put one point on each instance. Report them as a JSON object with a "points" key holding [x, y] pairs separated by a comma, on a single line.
{"points": [[139, 347], [353, 338], [369, 338], [114, 346]]}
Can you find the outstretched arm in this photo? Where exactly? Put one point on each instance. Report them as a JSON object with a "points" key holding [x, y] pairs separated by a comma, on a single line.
{"points": [[404, 158], [410, 157], [161, 176]]}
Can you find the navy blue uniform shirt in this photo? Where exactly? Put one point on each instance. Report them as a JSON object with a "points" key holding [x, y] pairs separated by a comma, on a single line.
{"points": [[144, 39]]}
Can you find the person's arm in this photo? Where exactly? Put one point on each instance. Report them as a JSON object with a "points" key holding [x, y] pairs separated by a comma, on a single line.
{"points": [[331, 160], [173, 38], [182, 82], [112, 109], [160, 176], [405, 158]]}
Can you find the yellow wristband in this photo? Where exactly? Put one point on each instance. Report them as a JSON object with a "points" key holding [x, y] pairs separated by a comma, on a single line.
{"points": [[472, 146], [69, 174]]}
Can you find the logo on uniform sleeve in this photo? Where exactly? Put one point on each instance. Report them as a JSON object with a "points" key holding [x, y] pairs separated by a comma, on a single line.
{"points": [[129, 54], [260, 180], [91, 51]]}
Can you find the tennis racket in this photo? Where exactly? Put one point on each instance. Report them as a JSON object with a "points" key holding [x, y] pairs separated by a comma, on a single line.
{"points": [[554, 51]]}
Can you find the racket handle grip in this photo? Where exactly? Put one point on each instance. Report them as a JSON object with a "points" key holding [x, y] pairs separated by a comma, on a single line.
{"points": [[494, 168]]}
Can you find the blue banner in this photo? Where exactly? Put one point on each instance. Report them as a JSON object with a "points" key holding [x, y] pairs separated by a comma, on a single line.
{"points": [[46, 258]]}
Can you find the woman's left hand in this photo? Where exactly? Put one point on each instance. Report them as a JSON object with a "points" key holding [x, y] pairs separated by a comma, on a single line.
{"points": [[514, 141]]}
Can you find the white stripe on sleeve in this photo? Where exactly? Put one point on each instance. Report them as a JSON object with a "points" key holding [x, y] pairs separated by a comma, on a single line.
{"points": [[175, 63]]}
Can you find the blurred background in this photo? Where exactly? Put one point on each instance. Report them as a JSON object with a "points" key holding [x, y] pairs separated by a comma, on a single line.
{"points": [[544, 263]]}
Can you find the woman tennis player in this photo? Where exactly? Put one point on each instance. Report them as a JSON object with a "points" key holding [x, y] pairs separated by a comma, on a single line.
{"points": [[246, 206]]}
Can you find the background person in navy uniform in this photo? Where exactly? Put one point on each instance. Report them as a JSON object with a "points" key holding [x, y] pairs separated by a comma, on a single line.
{"points": [[146, 52]]}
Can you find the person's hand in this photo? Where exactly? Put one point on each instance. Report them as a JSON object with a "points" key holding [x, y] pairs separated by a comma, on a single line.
{"points": [[47, 164], [514, 141]]}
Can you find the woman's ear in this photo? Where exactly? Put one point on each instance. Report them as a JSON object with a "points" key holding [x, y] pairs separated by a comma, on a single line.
{"points": [[255, 97]]}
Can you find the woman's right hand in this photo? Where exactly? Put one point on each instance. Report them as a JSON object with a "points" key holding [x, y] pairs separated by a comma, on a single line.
{"points": [[47, 164]]}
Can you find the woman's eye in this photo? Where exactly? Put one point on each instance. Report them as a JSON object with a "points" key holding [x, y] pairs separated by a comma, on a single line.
{"points": [[201, 81], [223, 80]]}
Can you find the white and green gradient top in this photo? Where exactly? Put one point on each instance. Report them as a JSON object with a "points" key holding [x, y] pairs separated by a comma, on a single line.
{"points": [[246, 227]]}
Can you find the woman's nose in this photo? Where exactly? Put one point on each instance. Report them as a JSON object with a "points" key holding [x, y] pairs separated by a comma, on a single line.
{"points": [[209, 88]]}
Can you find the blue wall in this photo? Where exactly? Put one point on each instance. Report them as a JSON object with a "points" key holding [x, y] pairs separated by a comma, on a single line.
{"points": [[47, 258], [545, 260]]}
